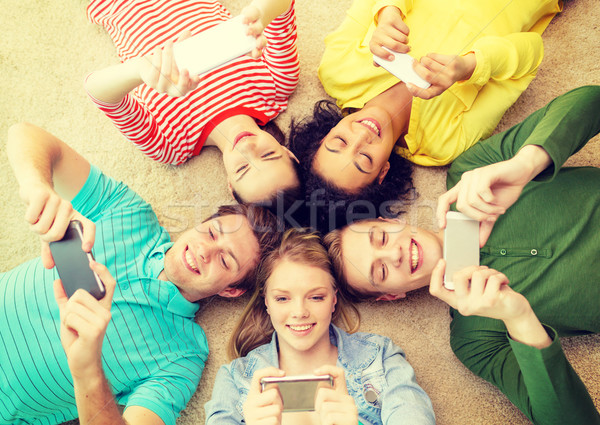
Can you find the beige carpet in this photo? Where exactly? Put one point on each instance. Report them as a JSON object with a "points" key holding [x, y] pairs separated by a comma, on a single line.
{"points": [[48, 47]]}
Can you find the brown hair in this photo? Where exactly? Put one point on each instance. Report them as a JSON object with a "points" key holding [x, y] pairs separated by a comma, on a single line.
{"points": [[333, 242], [254, 327], [265, 226]]}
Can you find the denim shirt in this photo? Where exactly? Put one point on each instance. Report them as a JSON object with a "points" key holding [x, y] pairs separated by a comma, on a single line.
{"points": [[379, 379]]}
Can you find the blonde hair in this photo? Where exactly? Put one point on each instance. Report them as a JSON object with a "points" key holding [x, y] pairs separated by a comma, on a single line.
{"points": [[254, 327]]}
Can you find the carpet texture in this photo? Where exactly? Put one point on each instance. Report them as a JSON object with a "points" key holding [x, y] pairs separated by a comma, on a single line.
{"points": [[47, 49]]}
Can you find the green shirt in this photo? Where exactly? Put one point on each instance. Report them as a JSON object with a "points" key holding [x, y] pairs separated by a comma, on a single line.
{"points": [[547, 244]]}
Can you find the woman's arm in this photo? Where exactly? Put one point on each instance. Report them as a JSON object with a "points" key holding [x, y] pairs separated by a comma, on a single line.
{"points": [[403, 401]]}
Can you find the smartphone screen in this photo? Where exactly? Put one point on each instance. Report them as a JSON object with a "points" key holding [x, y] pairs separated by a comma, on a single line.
{"points": [[298, 392], [73, 263], [214, 47], [461, 244]]}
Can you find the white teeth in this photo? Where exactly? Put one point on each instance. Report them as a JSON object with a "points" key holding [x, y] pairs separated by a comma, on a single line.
{"points": [[371, 125], [300, 328], [414, 255], [190, 260]]}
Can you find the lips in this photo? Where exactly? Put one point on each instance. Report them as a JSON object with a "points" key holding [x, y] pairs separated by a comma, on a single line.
{"points": [[241, 136], [416, 256], [372, 125], [302, 329], [189, 261]]}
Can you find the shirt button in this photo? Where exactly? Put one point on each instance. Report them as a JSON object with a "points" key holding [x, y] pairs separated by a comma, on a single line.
{"points": [[502, 251], [371, 396], [534, 252]]}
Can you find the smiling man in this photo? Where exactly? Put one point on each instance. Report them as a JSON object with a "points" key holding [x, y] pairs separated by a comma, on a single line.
{"points": [[139, 346], [539, 250]]}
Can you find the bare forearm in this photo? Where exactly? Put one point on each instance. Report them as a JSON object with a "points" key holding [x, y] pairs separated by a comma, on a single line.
{"points": [[111, 85], [271, 9], [95, 401], [528, 330], [38, 157], [32, 153], [534, 158]]}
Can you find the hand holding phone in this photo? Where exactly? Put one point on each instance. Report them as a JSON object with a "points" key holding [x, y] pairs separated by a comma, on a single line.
{"points": [[263, 406], [213, 47], [73, 263], [402, 67], [334, 405], [298, 392], [461, 244]]}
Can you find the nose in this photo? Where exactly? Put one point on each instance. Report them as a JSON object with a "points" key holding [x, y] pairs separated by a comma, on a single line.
{"points": [[248, 145], [362, 135], [393, 254], [299, 309], [205, 253]]}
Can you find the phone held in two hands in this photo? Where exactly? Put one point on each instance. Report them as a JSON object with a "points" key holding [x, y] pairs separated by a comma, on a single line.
{"points": [[214, 47], [298, 393], [73, 263], [461, 245]]}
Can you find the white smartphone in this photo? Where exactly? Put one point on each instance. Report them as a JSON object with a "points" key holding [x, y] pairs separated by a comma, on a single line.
{"points": [[402, 67], [298, 392], [213, 47], [461, 245]]}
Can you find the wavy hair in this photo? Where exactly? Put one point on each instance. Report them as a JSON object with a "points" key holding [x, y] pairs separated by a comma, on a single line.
{"points": [[254, 327]]}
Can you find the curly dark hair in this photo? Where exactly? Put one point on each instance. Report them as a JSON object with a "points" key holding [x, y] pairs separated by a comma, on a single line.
{"points": [[330, 207]]}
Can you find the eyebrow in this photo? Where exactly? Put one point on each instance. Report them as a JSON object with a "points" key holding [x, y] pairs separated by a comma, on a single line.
{"points": [[270, 158]]}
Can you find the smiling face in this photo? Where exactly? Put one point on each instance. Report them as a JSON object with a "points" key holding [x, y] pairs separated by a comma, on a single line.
{"points": [[388, 257], [258, 166], [207, 259], [300, 300], [356, 151]]}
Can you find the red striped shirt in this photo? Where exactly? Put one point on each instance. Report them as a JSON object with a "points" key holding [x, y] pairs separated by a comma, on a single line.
{"points": [[173, 129]]}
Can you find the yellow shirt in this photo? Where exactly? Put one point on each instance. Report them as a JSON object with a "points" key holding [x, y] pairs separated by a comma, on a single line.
{"points": [[503, 34]]}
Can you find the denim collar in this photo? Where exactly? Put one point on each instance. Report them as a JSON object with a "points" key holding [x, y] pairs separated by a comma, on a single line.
{"points": [[354, 354]]}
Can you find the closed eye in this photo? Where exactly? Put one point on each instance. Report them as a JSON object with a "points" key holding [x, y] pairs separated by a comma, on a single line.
{"points": [[266, 155]]}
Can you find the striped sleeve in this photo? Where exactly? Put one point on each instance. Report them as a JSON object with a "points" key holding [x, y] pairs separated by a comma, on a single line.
{"points": [[133, 119], [281, 54]]}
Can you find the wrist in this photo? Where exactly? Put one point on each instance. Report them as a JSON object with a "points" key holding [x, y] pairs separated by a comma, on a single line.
{"points": [[534, 159], [527, 329], [470, 62], [389, 13]]}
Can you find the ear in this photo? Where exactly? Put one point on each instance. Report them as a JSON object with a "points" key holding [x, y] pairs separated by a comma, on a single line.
{"points": [[231, 292], [230, 187], [391, 297], [291, 154], [383, 172], [334, 303]]}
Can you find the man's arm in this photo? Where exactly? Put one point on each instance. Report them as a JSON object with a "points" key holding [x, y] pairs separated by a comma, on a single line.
{"points": [[525, 361], [49, 174], [488, 178], [83, 326]]}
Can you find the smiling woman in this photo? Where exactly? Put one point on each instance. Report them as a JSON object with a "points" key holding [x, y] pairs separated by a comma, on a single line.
{"points": [[287, 329], [171, 115]]}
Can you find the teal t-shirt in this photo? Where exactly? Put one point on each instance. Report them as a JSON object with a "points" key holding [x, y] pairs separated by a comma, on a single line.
{"points": [[153, 352]]}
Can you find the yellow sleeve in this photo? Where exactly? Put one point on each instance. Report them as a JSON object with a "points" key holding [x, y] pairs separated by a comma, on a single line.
{"points": [[510, 57], [404, 5]]}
